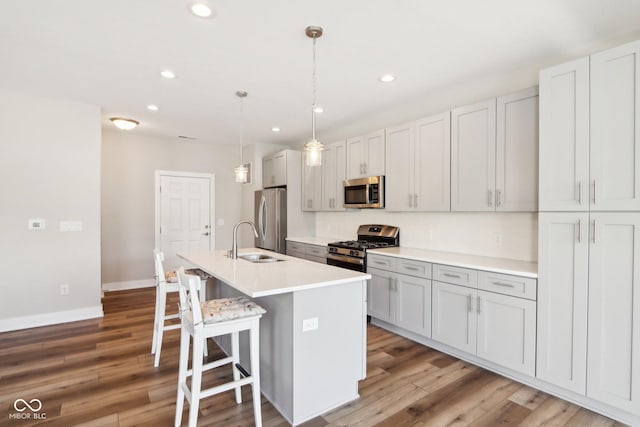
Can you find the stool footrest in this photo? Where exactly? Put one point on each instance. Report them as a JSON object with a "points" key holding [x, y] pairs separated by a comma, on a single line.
{"points": [[224, 387], [213, 365], [242, 370]]}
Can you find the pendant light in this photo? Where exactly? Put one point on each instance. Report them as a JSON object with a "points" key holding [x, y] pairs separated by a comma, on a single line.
{"points": [[313, 148], [241, 171]]}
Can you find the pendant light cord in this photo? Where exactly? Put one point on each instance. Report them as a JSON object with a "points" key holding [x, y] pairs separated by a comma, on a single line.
{"points": [[313, 96], [241, 128]]}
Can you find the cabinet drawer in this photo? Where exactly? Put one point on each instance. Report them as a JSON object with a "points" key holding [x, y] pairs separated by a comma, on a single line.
{"points": [[414, 268], [317, 259], [455, 275], [523, 287], [382, 262], [296, 254], [295, 247], [317, 251]]}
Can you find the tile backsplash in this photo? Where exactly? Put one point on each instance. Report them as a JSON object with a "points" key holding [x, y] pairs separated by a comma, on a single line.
{"points": [[502, 235]]}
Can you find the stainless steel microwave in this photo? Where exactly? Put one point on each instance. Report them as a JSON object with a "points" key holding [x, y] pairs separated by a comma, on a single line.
{"points": [[364, 192]]}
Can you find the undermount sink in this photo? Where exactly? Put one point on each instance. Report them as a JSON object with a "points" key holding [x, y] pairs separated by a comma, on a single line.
{"points": [[261, 258]]}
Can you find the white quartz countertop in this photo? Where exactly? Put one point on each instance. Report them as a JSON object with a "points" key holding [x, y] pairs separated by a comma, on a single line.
{"points": [[262, 279], [320, 241], [496, 265]]}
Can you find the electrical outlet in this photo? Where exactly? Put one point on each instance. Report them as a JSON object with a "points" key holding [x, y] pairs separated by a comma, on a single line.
{"points": [[64, 289], [310, 324], [498, 238]]}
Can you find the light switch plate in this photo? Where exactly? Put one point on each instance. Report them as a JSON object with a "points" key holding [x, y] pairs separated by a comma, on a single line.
{"points": [[310, 324], [36, 224]]}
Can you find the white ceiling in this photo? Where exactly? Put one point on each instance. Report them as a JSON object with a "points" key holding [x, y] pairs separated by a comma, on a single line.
{"points": [[110, 53]]}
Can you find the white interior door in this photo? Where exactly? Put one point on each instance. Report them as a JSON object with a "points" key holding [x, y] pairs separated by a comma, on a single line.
{"points": [[183, 215]]}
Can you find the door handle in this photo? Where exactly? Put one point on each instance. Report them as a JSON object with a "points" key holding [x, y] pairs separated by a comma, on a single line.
{"points": [[263, 215], [205, 234]]}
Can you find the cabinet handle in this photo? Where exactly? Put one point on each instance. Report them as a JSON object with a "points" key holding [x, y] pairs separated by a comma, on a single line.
{"points": [[395, 284], [415, 200], [365, 167], [411, 268], [361, 168], [410, 201], [580, 192], [390, 284], [451, 275], [594, 231], [469, 308], [498, 198], [478, 303], [594, 192], [579, 231], [489, 197], [379, 262], [505, 285]]}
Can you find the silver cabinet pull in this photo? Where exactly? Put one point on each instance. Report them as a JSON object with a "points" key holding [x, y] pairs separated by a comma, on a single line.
{"points": [[411, 268], [580, 192], [498, 198], [451, 275], [594, 193], [410, 201], [390, 284], [594, 231], [415, 200], [489, 198], [505, 285], [478, 303], [395, 284], [379, 262], [469, 308], [579, 231], [365, 167]]}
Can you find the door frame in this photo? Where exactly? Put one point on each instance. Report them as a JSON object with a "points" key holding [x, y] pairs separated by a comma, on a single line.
{"points": [[212, 201]]}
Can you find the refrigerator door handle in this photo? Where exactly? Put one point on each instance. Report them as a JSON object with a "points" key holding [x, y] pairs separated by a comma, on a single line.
{"points": [[263, 221], [261, 218]]}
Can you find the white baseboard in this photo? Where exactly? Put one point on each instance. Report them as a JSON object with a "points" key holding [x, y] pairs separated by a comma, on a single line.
{"points": [[46, 319], [129, 284]]}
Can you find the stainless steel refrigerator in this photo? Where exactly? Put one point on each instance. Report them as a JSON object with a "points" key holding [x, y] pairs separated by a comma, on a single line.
{"points": [[271, 219]]}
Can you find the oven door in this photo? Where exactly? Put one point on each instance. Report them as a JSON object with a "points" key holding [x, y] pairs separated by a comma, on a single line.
{"points": [[345, 261]]}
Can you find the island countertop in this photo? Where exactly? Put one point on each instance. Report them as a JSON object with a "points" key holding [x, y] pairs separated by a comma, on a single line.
{"points": [[262, 279]]}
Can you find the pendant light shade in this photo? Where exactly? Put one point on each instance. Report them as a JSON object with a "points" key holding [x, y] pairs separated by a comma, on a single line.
{"points": [[241, 172], [313, 148]]}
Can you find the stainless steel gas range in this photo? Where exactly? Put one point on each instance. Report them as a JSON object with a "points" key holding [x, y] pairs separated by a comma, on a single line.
{"points": [[352, 254]]}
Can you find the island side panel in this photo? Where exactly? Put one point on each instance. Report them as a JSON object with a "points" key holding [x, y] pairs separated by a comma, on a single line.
{"points": [[276, 346], [328, 361]]}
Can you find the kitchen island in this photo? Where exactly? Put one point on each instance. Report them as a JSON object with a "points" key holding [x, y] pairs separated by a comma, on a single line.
{"points": [[313, 336]]}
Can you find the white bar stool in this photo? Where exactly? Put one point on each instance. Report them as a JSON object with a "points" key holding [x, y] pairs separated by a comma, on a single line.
{"points": [[161, 317], [211, 319]]}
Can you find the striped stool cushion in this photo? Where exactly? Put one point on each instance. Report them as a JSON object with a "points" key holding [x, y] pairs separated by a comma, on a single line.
{"points": [[219, 310]]}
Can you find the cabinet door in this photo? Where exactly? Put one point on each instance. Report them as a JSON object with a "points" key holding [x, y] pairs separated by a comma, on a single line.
{"points": [[453, 319], [374, 154], [507, 331], [333, 172], [311, 186], [564, 137], [399, 193], [563, 258], [517, 152], [432, 164], [381, 305], [614, 310], [268, 178], [355, 157], [280, 169], [413, 299], [473, 157], [615, 136]]}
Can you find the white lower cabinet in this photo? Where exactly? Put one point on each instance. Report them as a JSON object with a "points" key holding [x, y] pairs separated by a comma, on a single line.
{"points": [[496, 327], [308, 251]]}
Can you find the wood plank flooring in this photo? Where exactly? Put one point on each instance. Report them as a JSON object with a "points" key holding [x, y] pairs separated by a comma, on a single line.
{"points": [[100, 373]]}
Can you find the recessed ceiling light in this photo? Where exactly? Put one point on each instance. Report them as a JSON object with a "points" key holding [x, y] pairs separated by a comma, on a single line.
{"points": [[387, 78], [124, 124], [152, 107], [201, 9], [168, 74], [318, 109], [275, 129]]}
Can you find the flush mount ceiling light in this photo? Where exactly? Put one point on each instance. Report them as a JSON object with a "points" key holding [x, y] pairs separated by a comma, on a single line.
{"points": [[152, 107], [124, 124], [387, 78], [168, 74], [201, 10], [319, 109], [275, 129], [241, 171], [313, 148]]}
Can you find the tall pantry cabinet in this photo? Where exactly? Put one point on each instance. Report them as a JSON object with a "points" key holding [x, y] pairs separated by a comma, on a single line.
{"points": [[589, 227]]}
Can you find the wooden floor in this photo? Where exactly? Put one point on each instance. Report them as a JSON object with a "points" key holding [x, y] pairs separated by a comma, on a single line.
{"points": [[100, 373]]}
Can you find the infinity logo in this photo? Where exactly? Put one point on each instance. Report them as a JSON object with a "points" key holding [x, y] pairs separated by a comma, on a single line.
{"points": [[37, 405]]}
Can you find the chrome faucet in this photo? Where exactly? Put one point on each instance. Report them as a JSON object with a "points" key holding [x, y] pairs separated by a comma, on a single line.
{"points": [[233, 253]]}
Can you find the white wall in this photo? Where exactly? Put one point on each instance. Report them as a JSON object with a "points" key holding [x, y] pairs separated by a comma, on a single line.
{"points": [[128, 164], [50, 163]]}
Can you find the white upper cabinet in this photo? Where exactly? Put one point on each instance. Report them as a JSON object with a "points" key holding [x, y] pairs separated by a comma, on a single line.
{"points": [[564, 137], [517, 152], [615, 136], [473, 157], [365, 155], [274, 170], [589, 137], [311, 186], [418, 165], [333, 175]]}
